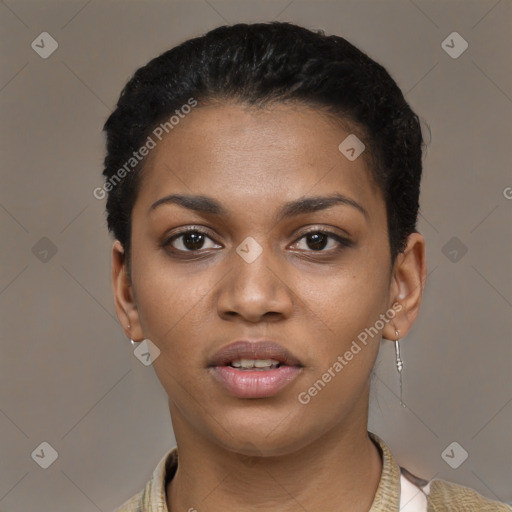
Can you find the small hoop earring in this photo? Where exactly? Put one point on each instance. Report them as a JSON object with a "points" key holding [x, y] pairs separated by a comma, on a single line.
{"points": [[135, 343], [399, 364]]}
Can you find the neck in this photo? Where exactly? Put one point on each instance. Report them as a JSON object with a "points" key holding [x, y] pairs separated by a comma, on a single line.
{"points": [[211, 477]]}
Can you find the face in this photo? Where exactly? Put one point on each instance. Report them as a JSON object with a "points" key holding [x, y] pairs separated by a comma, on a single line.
{"points": [[248, 266]]}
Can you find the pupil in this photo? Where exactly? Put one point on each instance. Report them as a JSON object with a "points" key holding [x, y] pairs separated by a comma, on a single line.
{"points": [[193, 240], [319, 241]]}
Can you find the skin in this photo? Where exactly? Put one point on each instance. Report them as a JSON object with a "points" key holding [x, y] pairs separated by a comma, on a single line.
{"points": [[269, 453]]}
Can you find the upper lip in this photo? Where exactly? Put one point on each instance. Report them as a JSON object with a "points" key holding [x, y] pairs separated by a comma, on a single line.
{"points": [[263, 349]]}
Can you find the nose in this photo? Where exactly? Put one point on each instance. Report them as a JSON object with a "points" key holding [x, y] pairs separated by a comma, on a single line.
{"points": [[256, 290]]}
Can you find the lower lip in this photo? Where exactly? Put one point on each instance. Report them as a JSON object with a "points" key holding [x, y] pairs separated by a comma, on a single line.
{"points": [[255, 383]]}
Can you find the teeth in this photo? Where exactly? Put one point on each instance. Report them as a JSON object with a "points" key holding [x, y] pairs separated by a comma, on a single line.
{"points": [[255, 363]]}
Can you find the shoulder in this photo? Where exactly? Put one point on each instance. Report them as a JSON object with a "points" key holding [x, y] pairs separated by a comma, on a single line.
{"points": [[153, 495], [444, 496]]}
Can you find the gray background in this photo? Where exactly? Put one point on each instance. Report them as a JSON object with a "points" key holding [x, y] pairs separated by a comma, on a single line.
{"points": [[69, 376]]}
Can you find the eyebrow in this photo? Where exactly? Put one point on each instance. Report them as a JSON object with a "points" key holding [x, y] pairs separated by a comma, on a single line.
{"points": [[205, 204]]}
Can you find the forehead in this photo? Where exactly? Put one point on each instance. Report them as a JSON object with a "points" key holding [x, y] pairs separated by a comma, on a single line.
{"points": [[256, 156]]}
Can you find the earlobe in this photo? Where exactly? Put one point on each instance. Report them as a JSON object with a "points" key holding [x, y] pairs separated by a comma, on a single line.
{"points": [[408, 282], [126, 308]]}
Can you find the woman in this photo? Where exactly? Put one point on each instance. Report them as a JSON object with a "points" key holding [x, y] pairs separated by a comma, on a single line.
{"points": [[263, 185]]}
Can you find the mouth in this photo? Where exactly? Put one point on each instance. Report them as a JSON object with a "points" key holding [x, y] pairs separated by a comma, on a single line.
{"points": [[259, 369], [256, 364]]}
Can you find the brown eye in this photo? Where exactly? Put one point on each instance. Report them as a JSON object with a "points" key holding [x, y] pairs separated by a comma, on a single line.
{"points": [[318, 240], [191, 240]]}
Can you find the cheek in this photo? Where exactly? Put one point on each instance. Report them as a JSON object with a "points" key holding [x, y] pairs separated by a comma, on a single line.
{"points": [[344, 347], [171, 307], [345, 300], [349, 305], [170, 303]]}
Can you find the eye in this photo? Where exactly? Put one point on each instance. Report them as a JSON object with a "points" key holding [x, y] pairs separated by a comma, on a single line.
{"points": [[194, 239], [190, 240], [318, 239]]}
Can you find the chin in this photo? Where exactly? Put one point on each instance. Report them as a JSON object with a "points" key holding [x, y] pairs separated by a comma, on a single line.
{"points": [[259, 434]]}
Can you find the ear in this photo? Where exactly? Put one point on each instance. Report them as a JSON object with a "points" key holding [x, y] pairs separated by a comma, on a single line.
{"points": [[407, 285], [126, 307]]}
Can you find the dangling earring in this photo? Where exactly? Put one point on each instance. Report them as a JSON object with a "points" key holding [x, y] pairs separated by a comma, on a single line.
{"points": [[399, 365]]}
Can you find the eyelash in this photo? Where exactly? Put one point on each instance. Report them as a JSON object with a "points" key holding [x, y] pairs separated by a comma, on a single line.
{"points": [[342, 241]]}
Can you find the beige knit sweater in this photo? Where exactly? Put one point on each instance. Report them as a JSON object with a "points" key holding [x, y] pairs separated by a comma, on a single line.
{"points": [[395, 492]]}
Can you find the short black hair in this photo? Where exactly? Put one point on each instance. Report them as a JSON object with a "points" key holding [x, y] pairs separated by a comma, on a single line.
{"points": [[265, 63]]}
